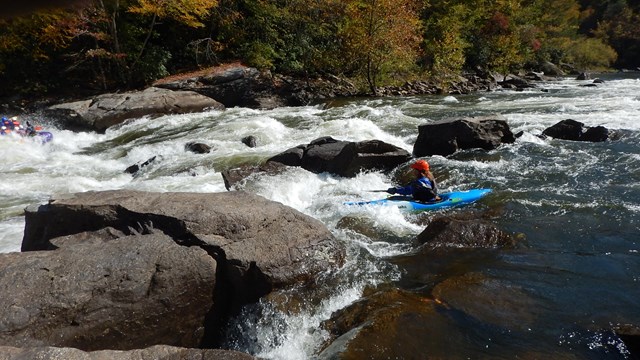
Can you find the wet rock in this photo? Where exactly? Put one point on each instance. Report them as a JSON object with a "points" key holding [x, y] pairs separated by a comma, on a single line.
{"points": [[630, 335], [397, 324], [443, 232], [515, 82], [290, 157], [198, 148], [379, 323], [576, 131], [343, 158], [319, 154], [250, 141], [370, 155], [235, 176], [154, 352], [369, 228], [445, 137], [491, 301], [135, 168]]}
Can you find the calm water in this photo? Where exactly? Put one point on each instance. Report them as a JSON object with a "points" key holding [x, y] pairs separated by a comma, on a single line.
{"points": [[576, 272]]}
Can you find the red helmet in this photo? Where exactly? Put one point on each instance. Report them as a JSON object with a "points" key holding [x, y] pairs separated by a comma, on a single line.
{"points": [[420, 165]]}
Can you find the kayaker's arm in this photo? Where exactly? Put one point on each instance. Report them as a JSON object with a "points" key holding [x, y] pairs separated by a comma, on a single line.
{"points": [[406, 190]]}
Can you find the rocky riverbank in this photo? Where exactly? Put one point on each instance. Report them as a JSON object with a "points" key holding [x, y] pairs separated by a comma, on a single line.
{"points": [[234, 85]]}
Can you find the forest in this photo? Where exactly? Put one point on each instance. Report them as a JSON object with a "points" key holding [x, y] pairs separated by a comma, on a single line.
{"points": [[94, 46]]}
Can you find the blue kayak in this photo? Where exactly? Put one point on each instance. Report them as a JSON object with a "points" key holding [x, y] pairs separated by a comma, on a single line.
{"points": [[450, 199]]}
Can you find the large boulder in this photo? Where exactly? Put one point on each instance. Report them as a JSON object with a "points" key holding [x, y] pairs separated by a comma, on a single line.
{"points": [[252, 245], [259, 244], [368, 155], [574, 130], [238, 85], [106, 110], [445, 137], [126, 293], [343, 158], [154, 352]]}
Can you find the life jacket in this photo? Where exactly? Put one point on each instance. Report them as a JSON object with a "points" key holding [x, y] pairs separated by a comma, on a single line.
{"points": [[423, 189]]}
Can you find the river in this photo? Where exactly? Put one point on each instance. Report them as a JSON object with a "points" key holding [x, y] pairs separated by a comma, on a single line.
{"points": [[575, 207]]}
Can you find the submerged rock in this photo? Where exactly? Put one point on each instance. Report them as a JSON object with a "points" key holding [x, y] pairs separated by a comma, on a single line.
{"points": [[380, 324], [443, 232], [135, 168], [630, 335]]}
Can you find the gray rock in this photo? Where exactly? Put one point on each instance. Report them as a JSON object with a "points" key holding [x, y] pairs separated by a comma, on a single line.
{"points": [[243, 86], [107, 110], [154, 352], [551, 69], [126, 293], [198, 148], [260, 244]]}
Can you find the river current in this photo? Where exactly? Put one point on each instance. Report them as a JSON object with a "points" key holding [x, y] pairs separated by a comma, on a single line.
{"points": [[574, 206]]}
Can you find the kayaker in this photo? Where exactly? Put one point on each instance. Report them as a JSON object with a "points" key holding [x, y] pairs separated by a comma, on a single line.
{"points": [[423, 188], [6, 126], [7, 123], [31, 130]]}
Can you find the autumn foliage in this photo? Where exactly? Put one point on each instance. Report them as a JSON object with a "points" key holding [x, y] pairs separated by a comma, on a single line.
{"points": [[98, 45]]}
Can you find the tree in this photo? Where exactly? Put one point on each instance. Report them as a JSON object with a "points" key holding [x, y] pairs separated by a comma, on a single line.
{"points": [[445, 44], [186, 12], [620, 27], [380, 36]]}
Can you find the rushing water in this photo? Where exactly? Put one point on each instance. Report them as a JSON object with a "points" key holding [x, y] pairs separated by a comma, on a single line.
{"points": [[577, 205]]}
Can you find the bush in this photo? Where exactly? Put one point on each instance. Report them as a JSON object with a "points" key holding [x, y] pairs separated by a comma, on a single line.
{"points": [[590, 53]]}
